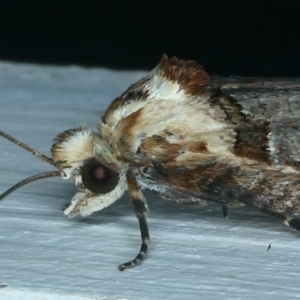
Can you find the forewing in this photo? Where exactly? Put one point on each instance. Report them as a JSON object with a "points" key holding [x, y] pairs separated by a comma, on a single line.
{"points": [[163, 115], [274, 106], [261, 167], [175, 112], [229, 140]]}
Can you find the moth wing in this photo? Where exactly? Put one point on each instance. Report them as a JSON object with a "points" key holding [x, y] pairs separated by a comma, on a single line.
{"points": [[224, 142], [165, 116]]}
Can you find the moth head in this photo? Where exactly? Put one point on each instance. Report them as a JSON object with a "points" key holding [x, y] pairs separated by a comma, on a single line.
{"points": [[83, 157]]}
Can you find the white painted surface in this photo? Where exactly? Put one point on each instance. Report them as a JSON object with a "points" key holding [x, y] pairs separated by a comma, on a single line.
{"points": [[194, 253]]}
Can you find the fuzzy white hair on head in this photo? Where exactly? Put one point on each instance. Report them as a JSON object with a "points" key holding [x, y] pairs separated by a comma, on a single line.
{"points": [[71, 149]]}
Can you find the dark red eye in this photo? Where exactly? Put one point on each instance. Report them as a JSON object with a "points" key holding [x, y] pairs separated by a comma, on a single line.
{"points": [[98, 178]]}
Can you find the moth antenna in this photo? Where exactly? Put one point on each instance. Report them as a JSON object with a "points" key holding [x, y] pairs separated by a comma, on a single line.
{"points": [[28, 180], [41, 156]]}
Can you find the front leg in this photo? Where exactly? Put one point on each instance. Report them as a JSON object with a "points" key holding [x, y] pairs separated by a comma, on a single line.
{"points": [[140, 208]]}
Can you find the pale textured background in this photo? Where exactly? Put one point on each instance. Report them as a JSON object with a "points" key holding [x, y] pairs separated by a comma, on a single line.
{"points": [[194, 253]]}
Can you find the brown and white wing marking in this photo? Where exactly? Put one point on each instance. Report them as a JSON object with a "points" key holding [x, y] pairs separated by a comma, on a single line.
{"points": [[228, 141], [165, 115], [261, 165]]}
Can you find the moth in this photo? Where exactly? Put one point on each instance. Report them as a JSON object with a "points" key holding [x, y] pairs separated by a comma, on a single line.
{"points": [[188, 138]]}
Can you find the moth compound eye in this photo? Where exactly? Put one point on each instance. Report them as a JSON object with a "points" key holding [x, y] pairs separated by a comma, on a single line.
{"points": [[98, 178]]}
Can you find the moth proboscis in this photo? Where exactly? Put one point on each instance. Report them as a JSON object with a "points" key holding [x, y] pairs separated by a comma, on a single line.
{"points": [[187, 137]]}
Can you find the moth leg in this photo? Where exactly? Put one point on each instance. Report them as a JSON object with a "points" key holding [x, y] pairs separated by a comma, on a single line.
{"points": [[140, 209], [225, 211]]}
